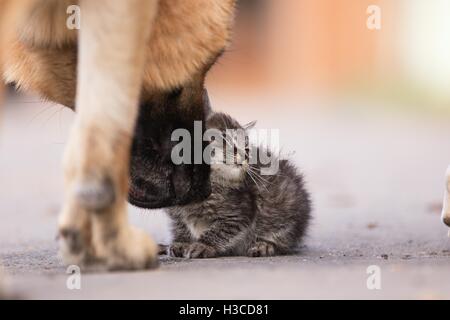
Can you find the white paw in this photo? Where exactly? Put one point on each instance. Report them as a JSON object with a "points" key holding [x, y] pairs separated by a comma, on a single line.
{"points": [[132, 249], [106, 246], [74, 237], [72, 249], [446, 206]]}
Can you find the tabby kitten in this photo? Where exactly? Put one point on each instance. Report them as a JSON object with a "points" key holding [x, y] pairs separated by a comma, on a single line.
{"points": [[247, 214]]}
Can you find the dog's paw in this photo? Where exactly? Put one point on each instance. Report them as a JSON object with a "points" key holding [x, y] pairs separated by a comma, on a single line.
{"points": [[72, 247], [75, 237], [128, 249], [261, 249], [131, 249], [198, 250], [446, 206]]}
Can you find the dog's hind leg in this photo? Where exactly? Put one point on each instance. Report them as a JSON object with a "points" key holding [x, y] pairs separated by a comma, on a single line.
{"points": [[446, 208], [93, 226]]}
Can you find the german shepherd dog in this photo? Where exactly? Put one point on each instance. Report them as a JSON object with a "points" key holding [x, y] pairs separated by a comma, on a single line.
{"points": [[133, 72]]}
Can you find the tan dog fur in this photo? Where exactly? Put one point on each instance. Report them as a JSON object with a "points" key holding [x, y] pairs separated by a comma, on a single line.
{"points": [[124, 50], [186, 36]]}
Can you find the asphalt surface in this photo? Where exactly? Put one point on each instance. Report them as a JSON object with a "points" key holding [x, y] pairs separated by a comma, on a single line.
{"points": [[376, 178]]}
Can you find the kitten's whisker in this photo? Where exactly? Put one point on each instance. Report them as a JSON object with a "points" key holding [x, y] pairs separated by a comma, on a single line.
{"points": [[229, 143], [278, 174], [45, 109], [224, 124], [230, 156], [251, 177], [264, 182], [51, 116], [257, 175]]}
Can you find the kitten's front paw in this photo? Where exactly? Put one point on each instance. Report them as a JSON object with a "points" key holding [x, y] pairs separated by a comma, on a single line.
{"points": [[199, 250], [163, 249], [261, 249], [178, 249]]}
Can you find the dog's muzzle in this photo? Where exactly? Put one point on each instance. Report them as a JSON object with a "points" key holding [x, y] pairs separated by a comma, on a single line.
{"points": [[155, 181]]}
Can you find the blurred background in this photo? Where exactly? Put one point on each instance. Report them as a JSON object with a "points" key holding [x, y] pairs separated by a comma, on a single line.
{"points": [[365, 114], [324, 47]]}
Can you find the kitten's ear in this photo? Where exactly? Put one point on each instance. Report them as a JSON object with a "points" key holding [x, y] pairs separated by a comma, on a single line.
{"points": [[250, 126]]}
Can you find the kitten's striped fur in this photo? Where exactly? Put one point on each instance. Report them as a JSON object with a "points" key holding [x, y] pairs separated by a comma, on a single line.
{"points": [[252, 216]]}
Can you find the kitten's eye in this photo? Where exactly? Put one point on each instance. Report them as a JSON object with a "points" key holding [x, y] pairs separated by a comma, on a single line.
{"points": [[213, 153]]}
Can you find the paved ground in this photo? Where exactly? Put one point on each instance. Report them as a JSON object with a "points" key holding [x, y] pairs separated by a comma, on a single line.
{"points": [[377, 185]]}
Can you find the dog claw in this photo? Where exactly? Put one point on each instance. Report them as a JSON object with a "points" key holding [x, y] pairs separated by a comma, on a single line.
{"points": [[72, 239]]}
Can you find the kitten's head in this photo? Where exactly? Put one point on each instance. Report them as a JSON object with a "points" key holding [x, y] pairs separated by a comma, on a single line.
{"points": [[230, 149]]}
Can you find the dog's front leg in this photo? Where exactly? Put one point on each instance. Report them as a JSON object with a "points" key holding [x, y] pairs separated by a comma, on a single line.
{"points": [[446, 208], [94, 228]]}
